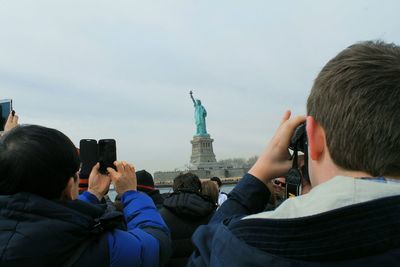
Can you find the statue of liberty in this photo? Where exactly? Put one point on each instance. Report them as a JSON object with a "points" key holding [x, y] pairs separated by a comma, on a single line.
{"points": [[200, 114]]}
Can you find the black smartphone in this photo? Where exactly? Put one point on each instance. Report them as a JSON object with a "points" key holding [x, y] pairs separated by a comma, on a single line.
{"points": [[5, 110], [107, 154], [88, 152]]}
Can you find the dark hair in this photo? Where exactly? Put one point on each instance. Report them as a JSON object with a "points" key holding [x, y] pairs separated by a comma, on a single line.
{"points": [[356, 100], [210, 189], [216, 179], [187, 181], [38, 160]]}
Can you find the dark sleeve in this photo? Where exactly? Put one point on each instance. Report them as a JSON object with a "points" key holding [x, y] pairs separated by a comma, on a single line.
{"points": [[88, 198], [249, 196]]}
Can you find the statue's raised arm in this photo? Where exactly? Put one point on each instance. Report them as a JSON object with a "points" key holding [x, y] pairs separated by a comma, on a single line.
{"points": [[191, 96]]}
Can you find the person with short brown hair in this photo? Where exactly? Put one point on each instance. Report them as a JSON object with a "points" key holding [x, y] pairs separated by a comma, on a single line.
{"points": [[350, 217]]}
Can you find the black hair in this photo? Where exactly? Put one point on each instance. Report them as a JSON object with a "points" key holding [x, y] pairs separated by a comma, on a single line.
{"points": [[37, 160], [216, 179], [187, 181]]}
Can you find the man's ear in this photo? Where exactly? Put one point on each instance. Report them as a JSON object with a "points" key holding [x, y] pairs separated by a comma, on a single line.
{"points": [[316, 138], [69, 193]]}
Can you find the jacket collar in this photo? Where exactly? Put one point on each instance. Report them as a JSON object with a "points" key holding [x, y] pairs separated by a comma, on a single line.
{"points": [[338, 192]]}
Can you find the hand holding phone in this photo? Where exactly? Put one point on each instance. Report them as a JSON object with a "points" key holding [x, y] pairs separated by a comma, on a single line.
{"points": [[95, 158], [12, 122], [124, 178], [98, 183], [5, 111]]}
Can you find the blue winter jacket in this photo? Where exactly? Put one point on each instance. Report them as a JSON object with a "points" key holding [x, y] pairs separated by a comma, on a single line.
{"points": [[365, 234], [35, 231], [146, 235]]}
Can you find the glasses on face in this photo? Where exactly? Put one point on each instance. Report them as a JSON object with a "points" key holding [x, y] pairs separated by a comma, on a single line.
{"points": [[279, 183]]}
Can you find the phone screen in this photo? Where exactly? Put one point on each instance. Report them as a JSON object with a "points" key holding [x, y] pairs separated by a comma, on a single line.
{"points": [[107, 154], [89, 156], [5, 109]]}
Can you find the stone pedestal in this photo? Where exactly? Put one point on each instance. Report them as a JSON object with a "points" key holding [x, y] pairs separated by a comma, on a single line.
{"points": [[203, 156]]}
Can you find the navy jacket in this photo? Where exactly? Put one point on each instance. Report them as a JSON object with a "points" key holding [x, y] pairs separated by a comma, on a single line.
{"points": [[184, 212], [365, 234], [38, 232]]}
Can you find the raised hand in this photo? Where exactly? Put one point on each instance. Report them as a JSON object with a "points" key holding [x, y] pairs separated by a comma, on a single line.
{"points": [[275, 160], [12, 122], [98, 183], [124, 179]]}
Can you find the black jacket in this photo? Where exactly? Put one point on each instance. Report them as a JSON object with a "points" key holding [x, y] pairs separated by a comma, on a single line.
{"points": [[364, 234], [155, 196], [37, 232], [183, 212]]}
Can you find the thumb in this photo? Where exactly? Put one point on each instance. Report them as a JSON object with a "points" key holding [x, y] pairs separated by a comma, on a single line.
{"points": [[16, 118], [112, 173], [96, 167]]}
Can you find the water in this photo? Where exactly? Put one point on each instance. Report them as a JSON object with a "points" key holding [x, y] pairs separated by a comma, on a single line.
{"points": [[225, 188]]}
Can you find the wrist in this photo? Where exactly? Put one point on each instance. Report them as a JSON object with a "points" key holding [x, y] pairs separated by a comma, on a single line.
{"points": [[260, 170], [122, 192], [98, 195]]}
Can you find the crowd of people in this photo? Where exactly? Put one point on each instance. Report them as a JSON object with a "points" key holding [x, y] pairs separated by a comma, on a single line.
{"points": [[347, 215]]}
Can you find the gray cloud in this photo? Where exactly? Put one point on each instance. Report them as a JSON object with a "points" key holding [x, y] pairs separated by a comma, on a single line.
{"points": [[123, 69]]}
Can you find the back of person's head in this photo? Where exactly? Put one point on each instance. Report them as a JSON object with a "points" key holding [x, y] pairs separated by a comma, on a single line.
{"points": [[217, 180], [210, 189], [356, 100], [145, 181], [187, 181], [38, 160]]}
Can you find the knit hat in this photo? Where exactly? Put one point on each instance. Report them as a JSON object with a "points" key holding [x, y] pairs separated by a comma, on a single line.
{"points": [[144, 180]]}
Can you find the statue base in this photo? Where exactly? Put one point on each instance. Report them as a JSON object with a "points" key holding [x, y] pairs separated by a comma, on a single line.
{"points": [[203, 156]]}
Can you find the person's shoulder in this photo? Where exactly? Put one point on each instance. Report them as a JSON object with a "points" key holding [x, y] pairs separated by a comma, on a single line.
{"points": [[211, 238]]}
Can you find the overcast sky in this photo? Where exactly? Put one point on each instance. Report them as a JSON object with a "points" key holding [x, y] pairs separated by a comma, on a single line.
{"points": [[123, 69]]}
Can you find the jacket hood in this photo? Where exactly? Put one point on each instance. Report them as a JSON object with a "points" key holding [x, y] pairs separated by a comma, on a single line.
{"points": [[189, 204]]}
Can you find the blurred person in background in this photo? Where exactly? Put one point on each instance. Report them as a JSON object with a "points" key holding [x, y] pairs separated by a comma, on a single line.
{"points": [[210, 189], [222, 196], [145, 184], [184, 210]]}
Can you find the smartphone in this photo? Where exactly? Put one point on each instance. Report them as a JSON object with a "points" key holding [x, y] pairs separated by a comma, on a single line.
{"points": [[88, 153], [107, 154], [5, 110]]}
